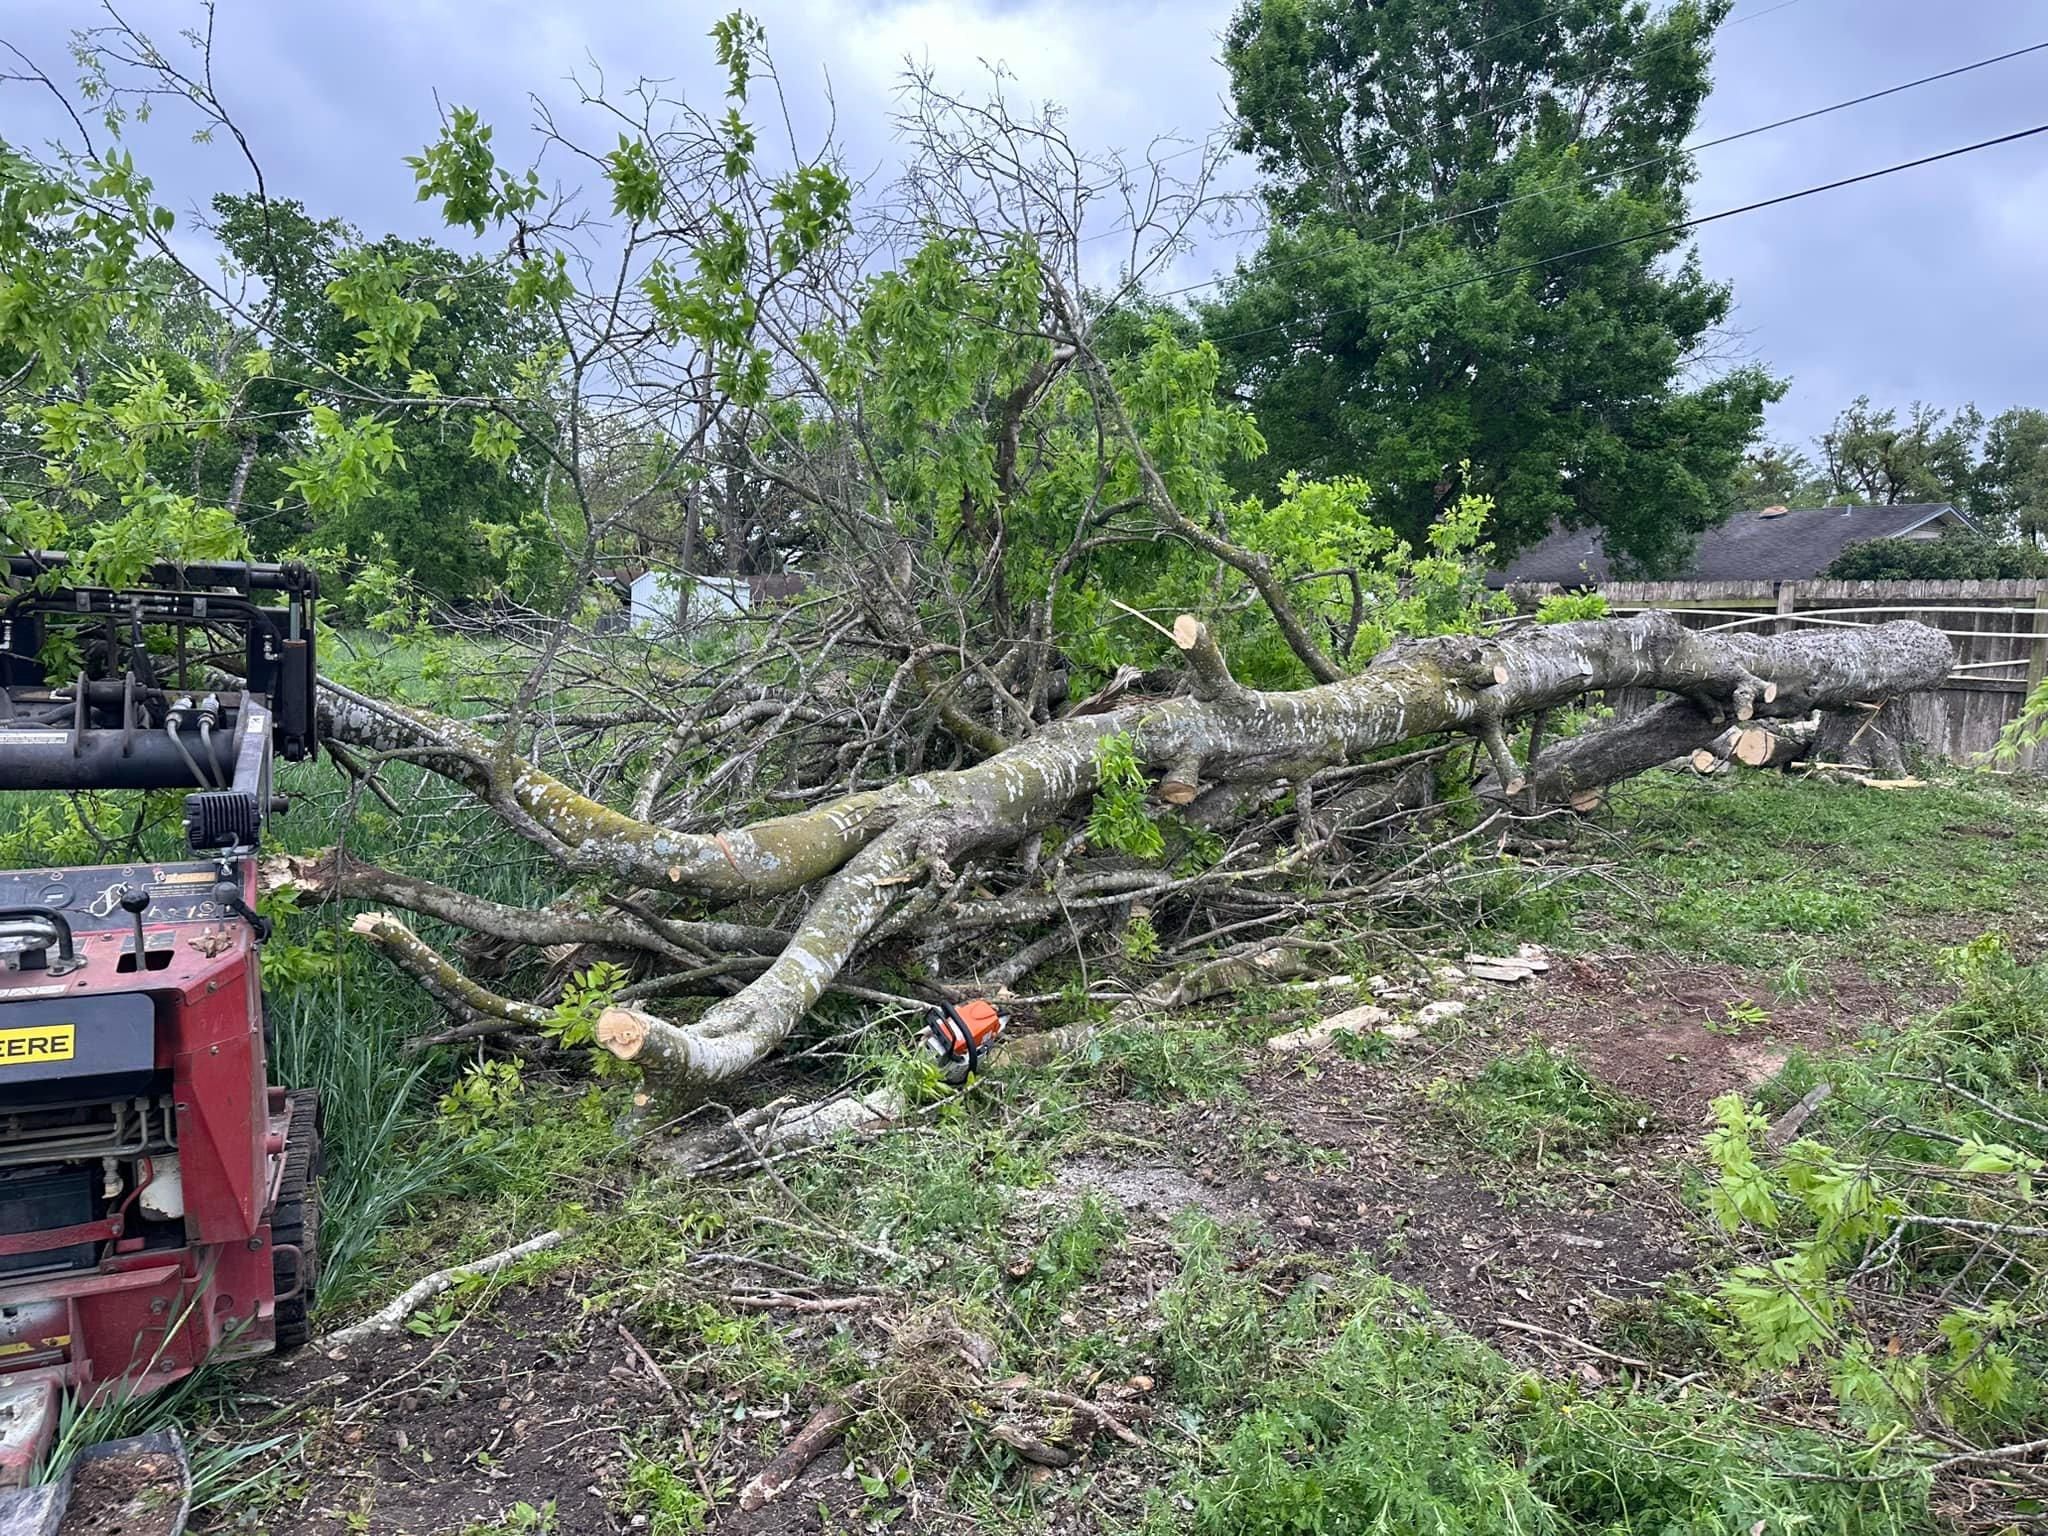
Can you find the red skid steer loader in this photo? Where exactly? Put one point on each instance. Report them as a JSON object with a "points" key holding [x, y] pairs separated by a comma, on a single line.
{"points": [[158, 1198]]}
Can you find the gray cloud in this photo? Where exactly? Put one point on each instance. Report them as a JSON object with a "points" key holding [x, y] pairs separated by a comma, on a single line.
{"points": [[1921, 285]]}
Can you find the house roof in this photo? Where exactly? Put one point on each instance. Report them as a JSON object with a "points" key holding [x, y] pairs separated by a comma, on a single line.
{"points": [[1773, 545]]}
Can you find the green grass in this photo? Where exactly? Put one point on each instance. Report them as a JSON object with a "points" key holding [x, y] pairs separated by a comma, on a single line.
{"points": [[1733, 871], [1946, 1118], [663, 1495], [1067, 1258], [1160, 1064], [347, 1024], [1533, 1103], [1333, 1406]]}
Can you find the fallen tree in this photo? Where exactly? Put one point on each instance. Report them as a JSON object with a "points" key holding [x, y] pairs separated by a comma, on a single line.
{"points": [[877, 865]]}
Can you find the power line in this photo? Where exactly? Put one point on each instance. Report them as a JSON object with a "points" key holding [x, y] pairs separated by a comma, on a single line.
{"points": [[1655, 234], [1567, 181]]}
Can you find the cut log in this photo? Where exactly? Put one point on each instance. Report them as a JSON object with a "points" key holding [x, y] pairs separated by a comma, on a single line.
{"points": [[1788, 1125], [776, 1129], [1183, 781], [820, 1433], [1319, 1037], [1867, 736], [1775, 746]]}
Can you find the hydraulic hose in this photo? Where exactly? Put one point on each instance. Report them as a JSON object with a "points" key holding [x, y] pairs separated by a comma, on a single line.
{"points": [[171, 729]]}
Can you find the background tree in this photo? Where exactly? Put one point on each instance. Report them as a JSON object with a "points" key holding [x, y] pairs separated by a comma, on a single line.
{"points": [[1777, 475], [1870, 456], [1996, 471], [1410, 148], [444, 521], [2011, 488]]}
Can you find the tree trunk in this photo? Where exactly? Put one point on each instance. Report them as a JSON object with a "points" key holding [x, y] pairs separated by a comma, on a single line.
{"points": [[1810, 669]]}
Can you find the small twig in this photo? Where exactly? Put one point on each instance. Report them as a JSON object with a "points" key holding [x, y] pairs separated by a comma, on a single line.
{"points": [[782, 1301], [1977, 1099], [390, 1318], [874, 1251], [648, 1363], [1095, 1413], [660, 1377], [1577, 1343], [2002, 1453], [1142, 618]]}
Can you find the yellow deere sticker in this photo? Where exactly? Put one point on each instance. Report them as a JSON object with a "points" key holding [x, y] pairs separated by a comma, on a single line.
{"points": [[44, 1042]]}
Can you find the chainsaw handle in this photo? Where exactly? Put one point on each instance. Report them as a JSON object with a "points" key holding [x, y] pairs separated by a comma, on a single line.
{"points": [[57, 923]]}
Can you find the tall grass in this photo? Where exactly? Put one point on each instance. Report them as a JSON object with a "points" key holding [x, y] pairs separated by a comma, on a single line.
{"points": [[348, 1026], [224, 1470]]}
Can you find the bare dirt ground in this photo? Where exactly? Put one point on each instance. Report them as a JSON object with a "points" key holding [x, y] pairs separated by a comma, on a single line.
{"points": [[1369, 1164], [534, 1397], [526, 1400]]}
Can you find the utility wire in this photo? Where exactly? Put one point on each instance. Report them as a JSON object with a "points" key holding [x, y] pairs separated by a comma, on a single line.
{"points": [[1562, 182], [1656, 234]]}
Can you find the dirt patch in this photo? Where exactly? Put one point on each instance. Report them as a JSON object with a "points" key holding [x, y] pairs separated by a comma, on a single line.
{"points": [[1337, 1156], [1155, 1189], [537, 1399], [1551, 1243], [525, 1402], [1676, 1037], [141, 1494], [794, 1512]]}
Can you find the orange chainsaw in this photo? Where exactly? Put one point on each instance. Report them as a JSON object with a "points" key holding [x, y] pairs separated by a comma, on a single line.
{"points": [[960, 1034]]}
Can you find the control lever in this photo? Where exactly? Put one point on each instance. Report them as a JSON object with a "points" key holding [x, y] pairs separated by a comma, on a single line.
{"points": [[228, 892], [135, 901]]}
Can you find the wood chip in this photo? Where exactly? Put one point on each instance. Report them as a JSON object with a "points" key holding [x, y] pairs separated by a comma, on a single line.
{"points": [[1362, 1020]]}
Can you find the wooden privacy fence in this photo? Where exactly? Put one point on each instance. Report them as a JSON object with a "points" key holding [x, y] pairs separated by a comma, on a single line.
{"points": [[2000, 629]]}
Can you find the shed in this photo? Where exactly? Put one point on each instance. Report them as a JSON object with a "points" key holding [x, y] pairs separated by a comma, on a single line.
{"points": [[657, 601]]}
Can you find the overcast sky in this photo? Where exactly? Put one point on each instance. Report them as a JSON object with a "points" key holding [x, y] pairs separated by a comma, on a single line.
{"points": [[1929, 284]]}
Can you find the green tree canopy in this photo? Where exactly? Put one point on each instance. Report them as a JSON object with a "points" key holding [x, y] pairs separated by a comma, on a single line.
{"points": [[437, 519], [2010, 491], [1410, 149], [1871, 456]]}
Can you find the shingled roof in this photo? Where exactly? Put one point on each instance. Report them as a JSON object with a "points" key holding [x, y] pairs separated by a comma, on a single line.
{"points": [[1773, 545]]}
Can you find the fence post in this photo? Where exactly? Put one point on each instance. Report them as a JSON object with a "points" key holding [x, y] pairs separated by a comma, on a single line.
{"points": [[1786, 606], [2037, 664]]}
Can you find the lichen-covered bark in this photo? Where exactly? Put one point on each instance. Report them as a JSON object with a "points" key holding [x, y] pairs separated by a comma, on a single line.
{"points": [[784, 853], [335, 874], [442, 980]]}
